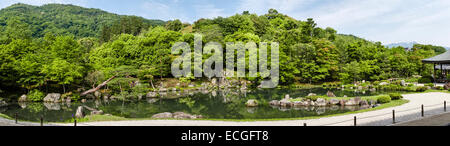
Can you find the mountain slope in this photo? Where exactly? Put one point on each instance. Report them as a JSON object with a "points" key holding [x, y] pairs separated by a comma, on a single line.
{"points": [[62, 19]]}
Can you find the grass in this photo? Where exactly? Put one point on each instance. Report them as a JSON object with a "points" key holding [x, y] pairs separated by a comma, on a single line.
{"points": [[98, 118], [5, 116]]}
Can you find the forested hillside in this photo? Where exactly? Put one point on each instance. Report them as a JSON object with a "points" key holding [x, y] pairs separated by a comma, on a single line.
{"points": [[64, 48], [63, 20]]}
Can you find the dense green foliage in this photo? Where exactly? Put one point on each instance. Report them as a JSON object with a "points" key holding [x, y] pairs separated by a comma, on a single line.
{"points": [[35, 95], [35, 21], [384, 99], [395, 96], [64, 46]]}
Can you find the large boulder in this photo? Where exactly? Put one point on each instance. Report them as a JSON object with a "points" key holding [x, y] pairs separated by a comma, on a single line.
{"points": [[151, 95], [383, 83], [403, 83], [330, 94], [274, 103], [80, 112], [321, 102], [3, 103], [53, 97], [333, 102], [287, 97], [312, 94], [165, 115], [342, 102], [251, 103], [285, 103], [97, 112], [182, 115], [364, 103], [353, 102], [162, 89], [23, 98]]}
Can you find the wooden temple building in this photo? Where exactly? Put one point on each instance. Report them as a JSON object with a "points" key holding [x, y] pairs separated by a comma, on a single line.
{"points": [[441, 62]]}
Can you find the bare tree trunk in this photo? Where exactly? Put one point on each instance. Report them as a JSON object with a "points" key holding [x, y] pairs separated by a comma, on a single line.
{"points": [[98, 87], [151, 82]]}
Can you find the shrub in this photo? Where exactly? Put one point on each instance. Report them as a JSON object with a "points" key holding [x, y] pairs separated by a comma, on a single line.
{"points": [[36, 96], [75, 97], [384, 99], [426, 79], [395, 96], [430, 85], [421, 89]]}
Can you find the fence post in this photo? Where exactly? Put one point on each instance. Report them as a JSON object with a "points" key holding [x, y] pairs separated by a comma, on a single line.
{"points": [[445, 106], [304, 124], [75, 123], [423, 113], [42, 121], [15, 117], [393, 116], [354, 121]]}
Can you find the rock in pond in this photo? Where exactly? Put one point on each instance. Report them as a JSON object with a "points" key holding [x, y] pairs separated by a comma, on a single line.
{"points": [[53, 97], [364, 103], [151, 95], [287, 97], [321, 102], [165, 115], [330, 94], [333, 102], [3, 103], [23, 98], [285, 103], [274, 103], [353, 102], [312, 94], [251, 103], [80, 112]]}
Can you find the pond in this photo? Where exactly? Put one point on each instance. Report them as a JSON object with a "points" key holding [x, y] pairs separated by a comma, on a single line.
{"points": [[222, 104]]}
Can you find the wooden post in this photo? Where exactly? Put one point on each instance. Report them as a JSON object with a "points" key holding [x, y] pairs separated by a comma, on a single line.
{"points": [[393, 116], [423, 113], [42, 121], [15, 117], [75, 123], [304, 124], [445, 106], [354, 121]]}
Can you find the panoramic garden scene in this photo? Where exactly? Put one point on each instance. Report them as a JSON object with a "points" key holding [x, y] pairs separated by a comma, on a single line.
{"points": [[63, 63]]}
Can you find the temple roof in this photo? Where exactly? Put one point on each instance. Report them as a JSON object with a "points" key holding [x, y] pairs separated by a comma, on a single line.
{"points": [[443, 58]]}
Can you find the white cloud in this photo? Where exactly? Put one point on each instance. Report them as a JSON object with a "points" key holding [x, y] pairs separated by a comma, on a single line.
{"points": [[377, 20], [208, 11]]}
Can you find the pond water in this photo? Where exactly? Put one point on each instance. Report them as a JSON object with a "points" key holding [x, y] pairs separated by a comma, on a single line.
{"points": [[223, 104]]}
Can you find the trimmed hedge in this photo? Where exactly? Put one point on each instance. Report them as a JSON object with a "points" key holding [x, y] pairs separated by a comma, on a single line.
{"points": [[383, 99], [395, 96], [426, 79], [421, 89]]}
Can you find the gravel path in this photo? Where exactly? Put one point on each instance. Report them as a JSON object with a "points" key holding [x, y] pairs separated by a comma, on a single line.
{"points": [[433, 105]]}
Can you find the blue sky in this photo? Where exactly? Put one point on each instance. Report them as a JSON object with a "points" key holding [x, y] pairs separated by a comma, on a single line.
{"points": [[387, 21]]}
